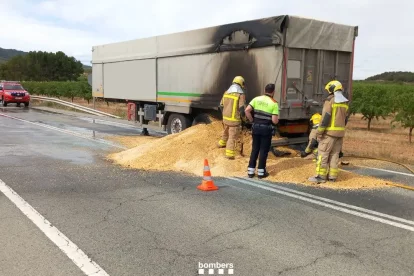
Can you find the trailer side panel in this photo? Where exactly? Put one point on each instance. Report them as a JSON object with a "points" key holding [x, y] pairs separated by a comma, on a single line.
{"points": [[200, 80], [131, 80], [97, 80]]}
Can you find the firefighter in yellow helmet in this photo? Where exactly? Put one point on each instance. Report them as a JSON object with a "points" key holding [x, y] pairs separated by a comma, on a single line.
{"points": [[330, 133], [313, 143], [232, 104]]}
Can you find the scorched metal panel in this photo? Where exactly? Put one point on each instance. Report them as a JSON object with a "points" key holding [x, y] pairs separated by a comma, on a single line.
{"points": [[204, 78]]}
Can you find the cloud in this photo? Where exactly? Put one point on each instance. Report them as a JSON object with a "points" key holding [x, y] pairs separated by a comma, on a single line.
{"points": [[384, 43]]}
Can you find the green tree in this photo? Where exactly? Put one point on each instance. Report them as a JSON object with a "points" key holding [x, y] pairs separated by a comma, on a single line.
{"points": [[372, 101], [405, 112], [42, 66], [3, 71]]}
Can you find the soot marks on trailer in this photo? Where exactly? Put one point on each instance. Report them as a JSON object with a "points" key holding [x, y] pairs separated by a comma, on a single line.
{"points": [[267, 31], [232, 42], [241, 63], [232, 64]]}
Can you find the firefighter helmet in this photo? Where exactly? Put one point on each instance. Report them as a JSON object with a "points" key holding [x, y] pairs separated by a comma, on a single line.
{"points": [[334, 86], [239, 80], [316, 118]]}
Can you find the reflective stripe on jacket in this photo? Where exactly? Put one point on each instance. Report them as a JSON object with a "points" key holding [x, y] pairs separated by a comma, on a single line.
{"points": [[336, 112], [231, 102]]}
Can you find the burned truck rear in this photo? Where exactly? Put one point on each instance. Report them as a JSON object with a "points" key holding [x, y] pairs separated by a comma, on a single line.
{"points": [[171, 79]]}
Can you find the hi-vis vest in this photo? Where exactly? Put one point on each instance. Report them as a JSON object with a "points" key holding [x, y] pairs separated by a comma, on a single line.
{"points": [[233, 99], [264, 107], [335, 107]]}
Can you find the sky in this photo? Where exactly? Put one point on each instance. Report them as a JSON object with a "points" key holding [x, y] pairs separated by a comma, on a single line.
{"points": [[385, 41]]}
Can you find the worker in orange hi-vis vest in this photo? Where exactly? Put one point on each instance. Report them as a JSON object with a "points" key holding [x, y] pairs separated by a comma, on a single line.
{"points": [[232, 104]]}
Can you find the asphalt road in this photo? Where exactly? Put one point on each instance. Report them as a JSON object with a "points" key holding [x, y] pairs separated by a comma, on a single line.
{"points": [[132, 222]]}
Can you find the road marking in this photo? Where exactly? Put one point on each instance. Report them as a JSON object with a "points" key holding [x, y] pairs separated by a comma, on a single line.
{"points": [[384, 170], [71, 250], [65, 131], [335, 202], [308, 198]]}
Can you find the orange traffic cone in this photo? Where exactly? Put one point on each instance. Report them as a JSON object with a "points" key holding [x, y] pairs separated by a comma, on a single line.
{"points": [[207, 184]]}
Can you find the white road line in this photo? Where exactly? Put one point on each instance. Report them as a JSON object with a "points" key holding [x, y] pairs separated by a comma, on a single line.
{"points": [[64, 131], [334, 202], [327, 205], [71, 250], [383, 170]]}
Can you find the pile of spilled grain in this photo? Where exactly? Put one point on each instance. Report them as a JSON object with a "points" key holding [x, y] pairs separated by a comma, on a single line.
{"points": [[186, 151]]}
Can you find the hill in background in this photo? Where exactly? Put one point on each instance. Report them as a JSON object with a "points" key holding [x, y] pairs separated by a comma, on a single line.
{"points": [[396, 76], [7, 54]]}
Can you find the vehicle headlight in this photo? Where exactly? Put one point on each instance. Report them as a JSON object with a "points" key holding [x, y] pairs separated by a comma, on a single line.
{"points": [[7, 93]]}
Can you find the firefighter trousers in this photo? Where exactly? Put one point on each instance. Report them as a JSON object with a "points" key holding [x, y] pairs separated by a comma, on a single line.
{"points": [[229, 139], [328, 156]]}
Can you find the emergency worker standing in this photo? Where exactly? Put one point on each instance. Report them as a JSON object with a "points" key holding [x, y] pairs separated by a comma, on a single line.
{"points": [[330, 133], [232, 104], [265, 112]]}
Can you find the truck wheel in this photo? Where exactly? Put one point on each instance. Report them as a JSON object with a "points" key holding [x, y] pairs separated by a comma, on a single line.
{"points": [[4, 103], [26, 104], [177, 123], [202, 118]]}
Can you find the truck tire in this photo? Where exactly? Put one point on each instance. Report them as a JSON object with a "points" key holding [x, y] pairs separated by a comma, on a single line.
{"points": [[177, 123], [202, 118], [26, 104], [4, 103]]}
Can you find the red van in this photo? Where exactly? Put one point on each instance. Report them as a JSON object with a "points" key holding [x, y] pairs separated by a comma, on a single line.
{"points": [[13, 92]]}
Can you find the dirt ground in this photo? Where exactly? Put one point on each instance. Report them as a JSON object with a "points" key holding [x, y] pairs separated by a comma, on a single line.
{"points": [[382, 141]]}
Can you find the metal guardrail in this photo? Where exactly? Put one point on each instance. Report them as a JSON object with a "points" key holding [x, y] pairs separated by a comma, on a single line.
{"points": [[75, 106]]}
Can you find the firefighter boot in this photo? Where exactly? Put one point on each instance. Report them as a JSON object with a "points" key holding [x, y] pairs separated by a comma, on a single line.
{"points": [[250, 172], [317, 179]]}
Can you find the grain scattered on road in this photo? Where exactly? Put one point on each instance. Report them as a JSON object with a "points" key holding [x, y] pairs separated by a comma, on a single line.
{"points": [[186, 151]]}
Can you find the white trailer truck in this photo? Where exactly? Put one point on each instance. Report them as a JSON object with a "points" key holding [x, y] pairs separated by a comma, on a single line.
{"points": [[171, 79]]}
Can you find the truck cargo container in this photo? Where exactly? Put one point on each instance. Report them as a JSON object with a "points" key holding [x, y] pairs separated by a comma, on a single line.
{"points": [[171, 79]]}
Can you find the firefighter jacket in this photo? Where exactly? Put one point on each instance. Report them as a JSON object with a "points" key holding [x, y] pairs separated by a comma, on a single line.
{"points": [[334, 114], [233, 102]]}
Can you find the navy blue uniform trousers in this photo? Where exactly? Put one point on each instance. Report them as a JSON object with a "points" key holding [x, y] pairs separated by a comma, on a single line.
{"points": [[262, 139]]}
